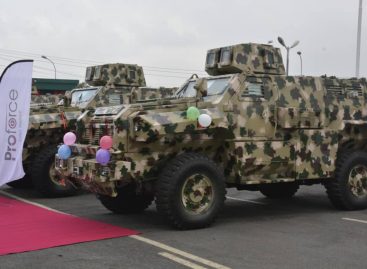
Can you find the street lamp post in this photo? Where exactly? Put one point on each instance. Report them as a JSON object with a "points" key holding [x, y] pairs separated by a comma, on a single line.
{"points": [[281, 41], [44, 57], [300, 58], [358, 53]]}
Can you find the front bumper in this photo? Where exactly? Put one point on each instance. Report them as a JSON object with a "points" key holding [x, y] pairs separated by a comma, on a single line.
{"points": [[93, 176]]}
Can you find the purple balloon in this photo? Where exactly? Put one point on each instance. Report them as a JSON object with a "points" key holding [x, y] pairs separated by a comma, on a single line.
{"points": [[103, 156]]}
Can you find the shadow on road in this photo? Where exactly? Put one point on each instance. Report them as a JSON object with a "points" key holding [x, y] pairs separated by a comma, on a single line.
{"points": [[307, 201]]}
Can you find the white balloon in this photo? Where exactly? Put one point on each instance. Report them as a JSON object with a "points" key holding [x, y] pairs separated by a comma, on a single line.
{"points": [[205, 120]]}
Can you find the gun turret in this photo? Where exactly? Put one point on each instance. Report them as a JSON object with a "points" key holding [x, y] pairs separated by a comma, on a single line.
{"points": [[115, 74], [250, 58]]}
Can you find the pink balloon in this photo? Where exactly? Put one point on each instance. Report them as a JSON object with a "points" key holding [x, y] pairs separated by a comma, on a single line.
{"points": [[69, 138], [106, 142]]}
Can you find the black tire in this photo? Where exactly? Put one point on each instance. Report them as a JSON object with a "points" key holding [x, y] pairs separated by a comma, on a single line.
{"points": [[23, 183], [127, 200], [44, 180], [339, 189], [279, 190], [170, 191]]}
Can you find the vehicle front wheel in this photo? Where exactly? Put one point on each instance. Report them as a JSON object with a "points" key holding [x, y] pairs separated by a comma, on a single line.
{"points": [[190, 191], [44, 176]]}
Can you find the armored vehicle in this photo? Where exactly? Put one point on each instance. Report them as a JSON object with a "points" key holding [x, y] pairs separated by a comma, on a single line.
{"points": [[247, 126], [51, 116]]}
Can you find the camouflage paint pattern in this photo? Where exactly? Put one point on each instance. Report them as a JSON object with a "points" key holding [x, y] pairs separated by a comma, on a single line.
{"points": [[266, 127], [115, 74], [146, 93], [245, 58], [45, 100]]}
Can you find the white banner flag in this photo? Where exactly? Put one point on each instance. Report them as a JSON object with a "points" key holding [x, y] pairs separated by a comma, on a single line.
{"points": [[15, 99]]}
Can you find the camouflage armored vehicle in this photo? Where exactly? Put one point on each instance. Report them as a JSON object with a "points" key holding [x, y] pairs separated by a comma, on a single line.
{"points": [[266, 132], [52, 116]]}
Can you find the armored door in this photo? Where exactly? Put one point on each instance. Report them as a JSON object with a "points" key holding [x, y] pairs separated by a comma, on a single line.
{"points": [[265, 155], [257, 104]]}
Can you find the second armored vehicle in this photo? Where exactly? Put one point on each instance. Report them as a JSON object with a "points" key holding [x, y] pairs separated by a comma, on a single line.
{"points": [[52, 116]]}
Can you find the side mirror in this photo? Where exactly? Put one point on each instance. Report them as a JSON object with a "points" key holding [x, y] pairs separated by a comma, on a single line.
{"points": [[134, 95], [201, 87], [66, 99], [61, 102]]}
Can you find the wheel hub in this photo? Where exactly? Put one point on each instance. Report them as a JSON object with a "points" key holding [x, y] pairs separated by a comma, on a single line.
{"points": [[53, 176], [197, 193], [357, 181]]}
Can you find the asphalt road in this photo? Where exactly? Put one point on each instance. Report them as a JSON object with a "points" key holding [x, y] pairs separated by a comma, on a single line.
{"points": [[250, 232]]}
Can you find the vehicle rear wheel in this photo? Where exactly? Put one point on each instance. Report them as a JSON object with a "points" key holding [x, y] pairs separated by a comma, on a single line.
{"points": [[348, 190], [190, 191], [127, 200], [44, 175], [279, 190]]}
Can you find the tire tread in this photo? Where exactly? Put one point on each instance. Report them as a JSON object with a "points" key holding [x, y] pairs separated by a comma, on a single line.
{"points": [[167, 184]]}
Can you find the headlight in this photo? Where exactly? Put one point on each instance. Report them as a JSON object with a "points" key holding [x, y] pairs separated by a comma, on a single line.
{"points": [[138, 127], [105, 171]]}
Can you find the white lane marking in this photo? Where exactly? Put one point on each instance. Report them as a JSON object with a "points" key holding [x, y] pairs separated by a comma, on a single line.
{"points": [[137, 237], [179, 252], [181, 261], [30, 202], [245, 200], [356, 220]]}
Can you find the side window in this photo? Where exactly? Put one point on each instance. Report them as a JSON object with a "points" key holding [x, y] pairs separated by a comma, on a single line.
{"points": [[211, 59], [257, 89], [97, 73], [269, 58], [132, 75], [89, 74], [225, 57], [253, 90], [114, 99], [269, 61]]}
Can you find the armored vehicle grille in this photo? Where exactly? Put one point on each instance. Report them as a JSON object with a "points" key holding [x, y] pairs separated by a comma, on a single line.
{"points": [[96, 130], [350, 92], [335, 90], [354, 91]]}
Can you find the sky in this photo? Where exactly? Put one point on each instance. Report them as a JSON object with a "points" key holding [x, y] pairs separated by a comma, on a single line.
{"points": [[169, 38]]}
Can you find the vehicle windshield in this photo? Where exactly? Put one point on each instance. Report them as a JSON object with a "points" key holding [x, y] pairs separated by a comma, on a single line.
{"points": [[81, 97], [216, 86]]}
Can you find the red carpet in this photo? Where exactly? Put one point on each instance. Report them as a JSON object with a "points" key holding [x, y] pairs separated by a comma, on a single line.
{"points": [[25, 227]]}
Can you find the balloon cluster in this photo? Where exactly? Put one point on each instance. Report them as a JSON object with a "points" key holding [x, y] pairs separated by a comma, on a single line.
{"points": [[64, 151], [193, 113], [103, 155]]}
